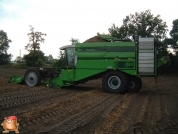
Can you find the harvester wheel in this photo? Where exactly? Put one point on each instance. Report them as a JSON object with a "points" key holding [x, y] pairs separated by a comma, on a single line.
{"points": [[32, 77], [115, 82], [135, 84]]}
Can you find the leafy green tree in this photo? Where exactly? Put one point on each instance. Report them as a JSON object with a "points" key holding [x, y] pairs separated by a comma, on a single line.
{"points": [[174, 34], [36, 56], [173, 42], [35, 59], [18, 59], [49, 59], [142, 24], [35, 38], [74, 41], [61, 62], [4, 46]]}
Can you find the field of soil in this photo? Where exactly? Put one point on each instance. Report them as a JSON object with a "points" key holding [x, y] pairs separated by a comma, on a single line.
{"points": [[87, 109]]}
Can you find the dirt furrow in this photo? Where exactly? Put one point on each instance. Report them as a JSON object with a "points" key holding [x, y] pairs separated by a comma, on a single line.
{"points": [[115, 115], [141, 114], [130, 116], [26, 98], [172, 106], [87, 109], [156, 118], [151, 115], [99, 118], [60, 111], [35, 105], [6, 73], [83, 118], [166, 127], [164, 106], [8, 94]]}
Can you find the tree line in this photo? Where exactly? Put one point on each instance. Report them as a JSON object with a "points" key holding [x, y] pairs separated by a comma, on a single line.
{"points": [[143, 24]]}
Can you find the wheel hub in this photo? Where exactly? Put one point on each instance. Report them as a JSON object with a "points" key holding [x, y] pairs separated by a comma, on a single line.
{"points": [[131, 84], [114, 82], [31, 78]]}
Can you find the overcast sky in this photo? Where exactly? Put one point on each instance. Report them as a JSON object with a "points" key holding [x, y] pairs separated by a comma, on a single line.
{"points": [[63, 19]]}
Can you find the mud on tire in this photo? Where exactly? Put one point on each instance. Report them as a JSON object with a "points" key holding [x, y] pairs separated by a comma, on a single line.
{"points": [[115, 82]]}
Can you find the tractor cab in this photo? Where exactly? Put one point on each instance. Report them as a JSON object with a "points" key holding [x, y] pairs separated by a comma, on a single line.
{"points": [[69, 55]]}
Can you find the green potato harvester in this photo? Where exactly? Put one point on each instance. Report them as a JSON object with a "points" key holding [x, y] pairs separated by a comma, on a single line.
{"points": [[119, 63]]}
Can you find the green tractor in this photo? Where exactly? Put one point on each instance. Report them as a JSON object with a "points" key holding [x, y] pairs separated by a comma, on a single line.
{"points": [[119, 63]]}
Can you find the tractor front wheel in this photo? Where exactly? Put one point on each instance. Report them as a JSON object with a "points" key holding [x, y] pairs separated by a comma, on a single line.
{"points": [[115, 82], [32, 77], [135, 84]]}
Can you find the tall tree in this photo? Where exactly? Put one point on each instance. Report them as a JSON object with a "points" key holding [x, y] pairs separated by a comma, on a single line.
{"points": [[4, 46], [18, 59], [4, 42], [173, 42], [74, 41], [174, 34], [61, 62], [35, 38], [142, 24], [36, 56], [49, 59], [35, 59]]}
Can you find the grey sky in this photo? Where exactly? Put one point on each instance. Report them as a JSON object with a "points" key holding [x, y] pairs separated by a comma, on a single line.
{"points": [[81, 19]]}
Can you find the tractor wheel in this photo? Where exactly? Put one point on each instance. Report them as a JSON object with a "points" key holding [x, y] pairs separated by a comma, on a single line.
{"points": [[115, 82], [135, 84], [32, 77]]}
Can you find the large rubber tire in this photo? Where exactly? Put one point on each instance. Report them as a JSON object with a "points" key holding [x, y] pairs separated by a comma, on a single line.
{"points": [[115, 82], [32, 77], [135, 84]]}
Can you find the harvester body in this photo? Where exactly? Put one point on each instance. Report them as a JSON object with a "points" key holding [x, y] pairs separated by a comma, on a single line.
{"points": [[119, 63]]}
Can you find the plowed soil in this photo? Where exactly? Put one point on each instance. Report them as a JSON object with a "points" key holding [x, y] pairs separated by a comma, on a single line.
{"points": [[87, 109]]}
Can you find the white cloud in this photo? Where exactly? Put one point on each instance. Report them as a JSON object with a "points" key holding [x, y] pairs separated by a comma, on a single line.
{"points": [[62, 20]]}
